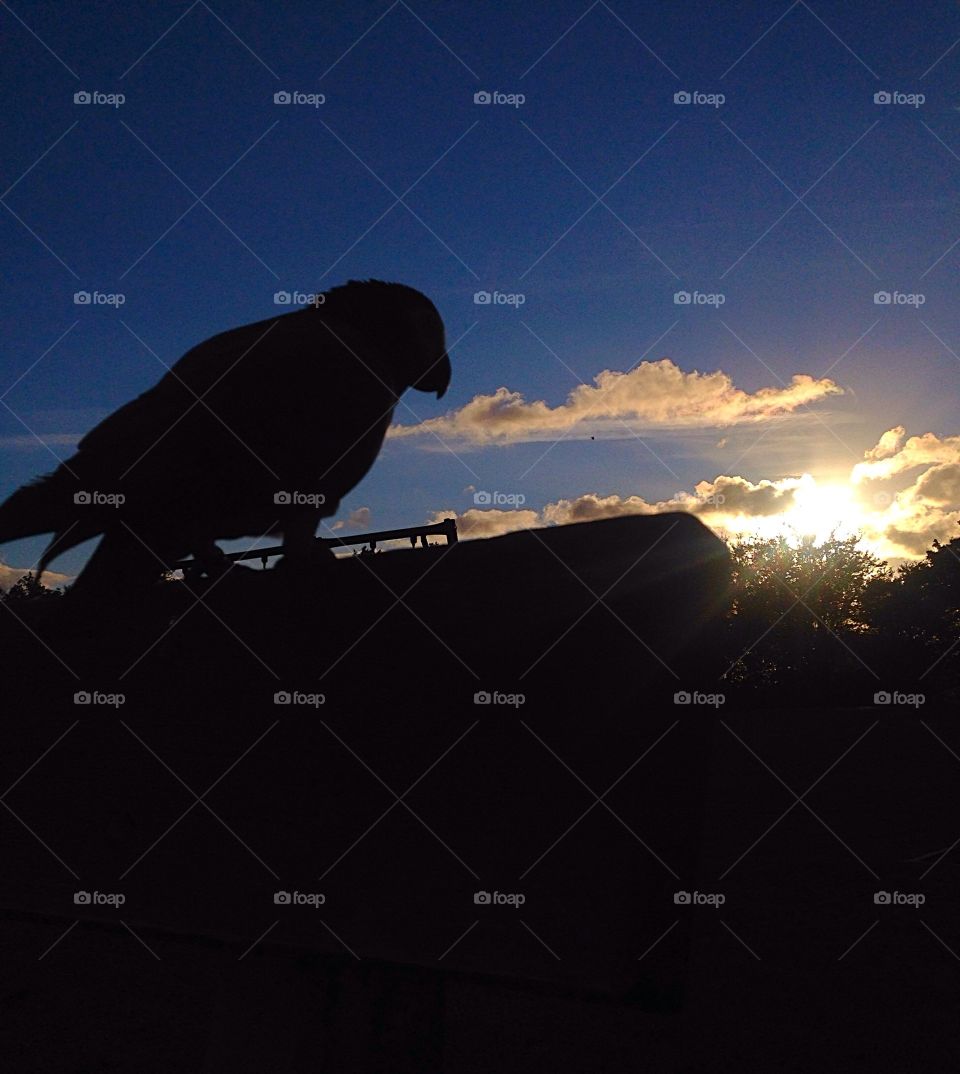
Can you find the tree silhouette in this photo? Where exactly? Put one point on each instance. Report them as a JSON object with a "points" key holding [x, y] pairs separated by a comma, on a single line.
{"points": [[916, 617], [29, 587], [799, 611]]}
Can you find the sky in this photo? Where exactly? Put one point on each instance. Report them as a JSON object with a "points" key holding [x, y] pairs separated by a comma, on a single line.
{"points": [[688, 222]]}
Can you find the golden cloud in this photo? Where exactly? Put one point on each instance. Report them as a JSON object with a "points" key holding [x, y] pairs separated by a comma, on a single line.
{"points": [[652, 395]]}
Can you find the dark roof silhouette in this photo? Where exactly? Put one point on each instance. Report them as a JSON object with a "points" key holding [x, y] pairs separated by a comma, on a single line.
{"points": [[261, 429]]}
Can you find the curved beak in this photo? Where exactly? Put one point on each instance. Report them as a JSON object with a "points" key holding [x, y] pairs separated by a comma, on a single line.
{"points": [[437, 378]]}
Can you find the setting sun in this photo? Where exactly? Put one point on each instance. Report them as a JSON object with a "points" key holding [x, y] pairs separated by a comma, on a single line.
{"points": [[817, 511], [822, 510]]}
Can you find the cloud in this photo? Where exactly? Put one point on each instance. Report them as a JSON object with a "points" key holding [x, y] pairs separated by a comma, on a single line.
{"points": [[904, 495], [927, 507], [29, 442], [724, 502], [939, 484], [652, 395], [360, 517], [888, 444], [591, 508], [893, 455], [478, 523], [736, 496]]}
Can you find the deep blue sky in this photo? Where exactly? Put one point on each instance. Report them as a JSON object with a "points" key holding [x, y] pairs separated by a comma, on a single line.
{"points": [[798, 95]]}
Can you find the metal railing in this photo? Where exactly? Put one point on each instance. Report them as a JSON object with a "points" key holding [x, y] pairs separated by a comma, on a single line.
{"points": [[447, 528]]}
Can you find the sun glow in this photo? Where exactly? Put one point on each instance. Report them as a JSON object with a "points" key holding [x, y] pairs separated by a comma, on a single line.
{"points": [[818, 511], [822, 510]]}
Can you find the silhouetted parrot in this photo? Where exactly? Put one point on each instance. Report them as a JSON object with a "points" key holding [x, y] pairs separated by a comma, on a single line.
{"points": [[259, 430]]}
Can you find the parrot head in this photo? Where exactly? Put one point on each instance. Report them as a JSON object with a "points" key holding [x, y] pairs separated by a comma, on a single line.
{"points": [[404, 323]]}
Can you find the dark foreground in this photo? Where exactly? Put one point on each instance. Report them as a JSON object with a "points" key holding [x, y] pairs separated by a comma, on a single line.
{"points": [[384, 809]]}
